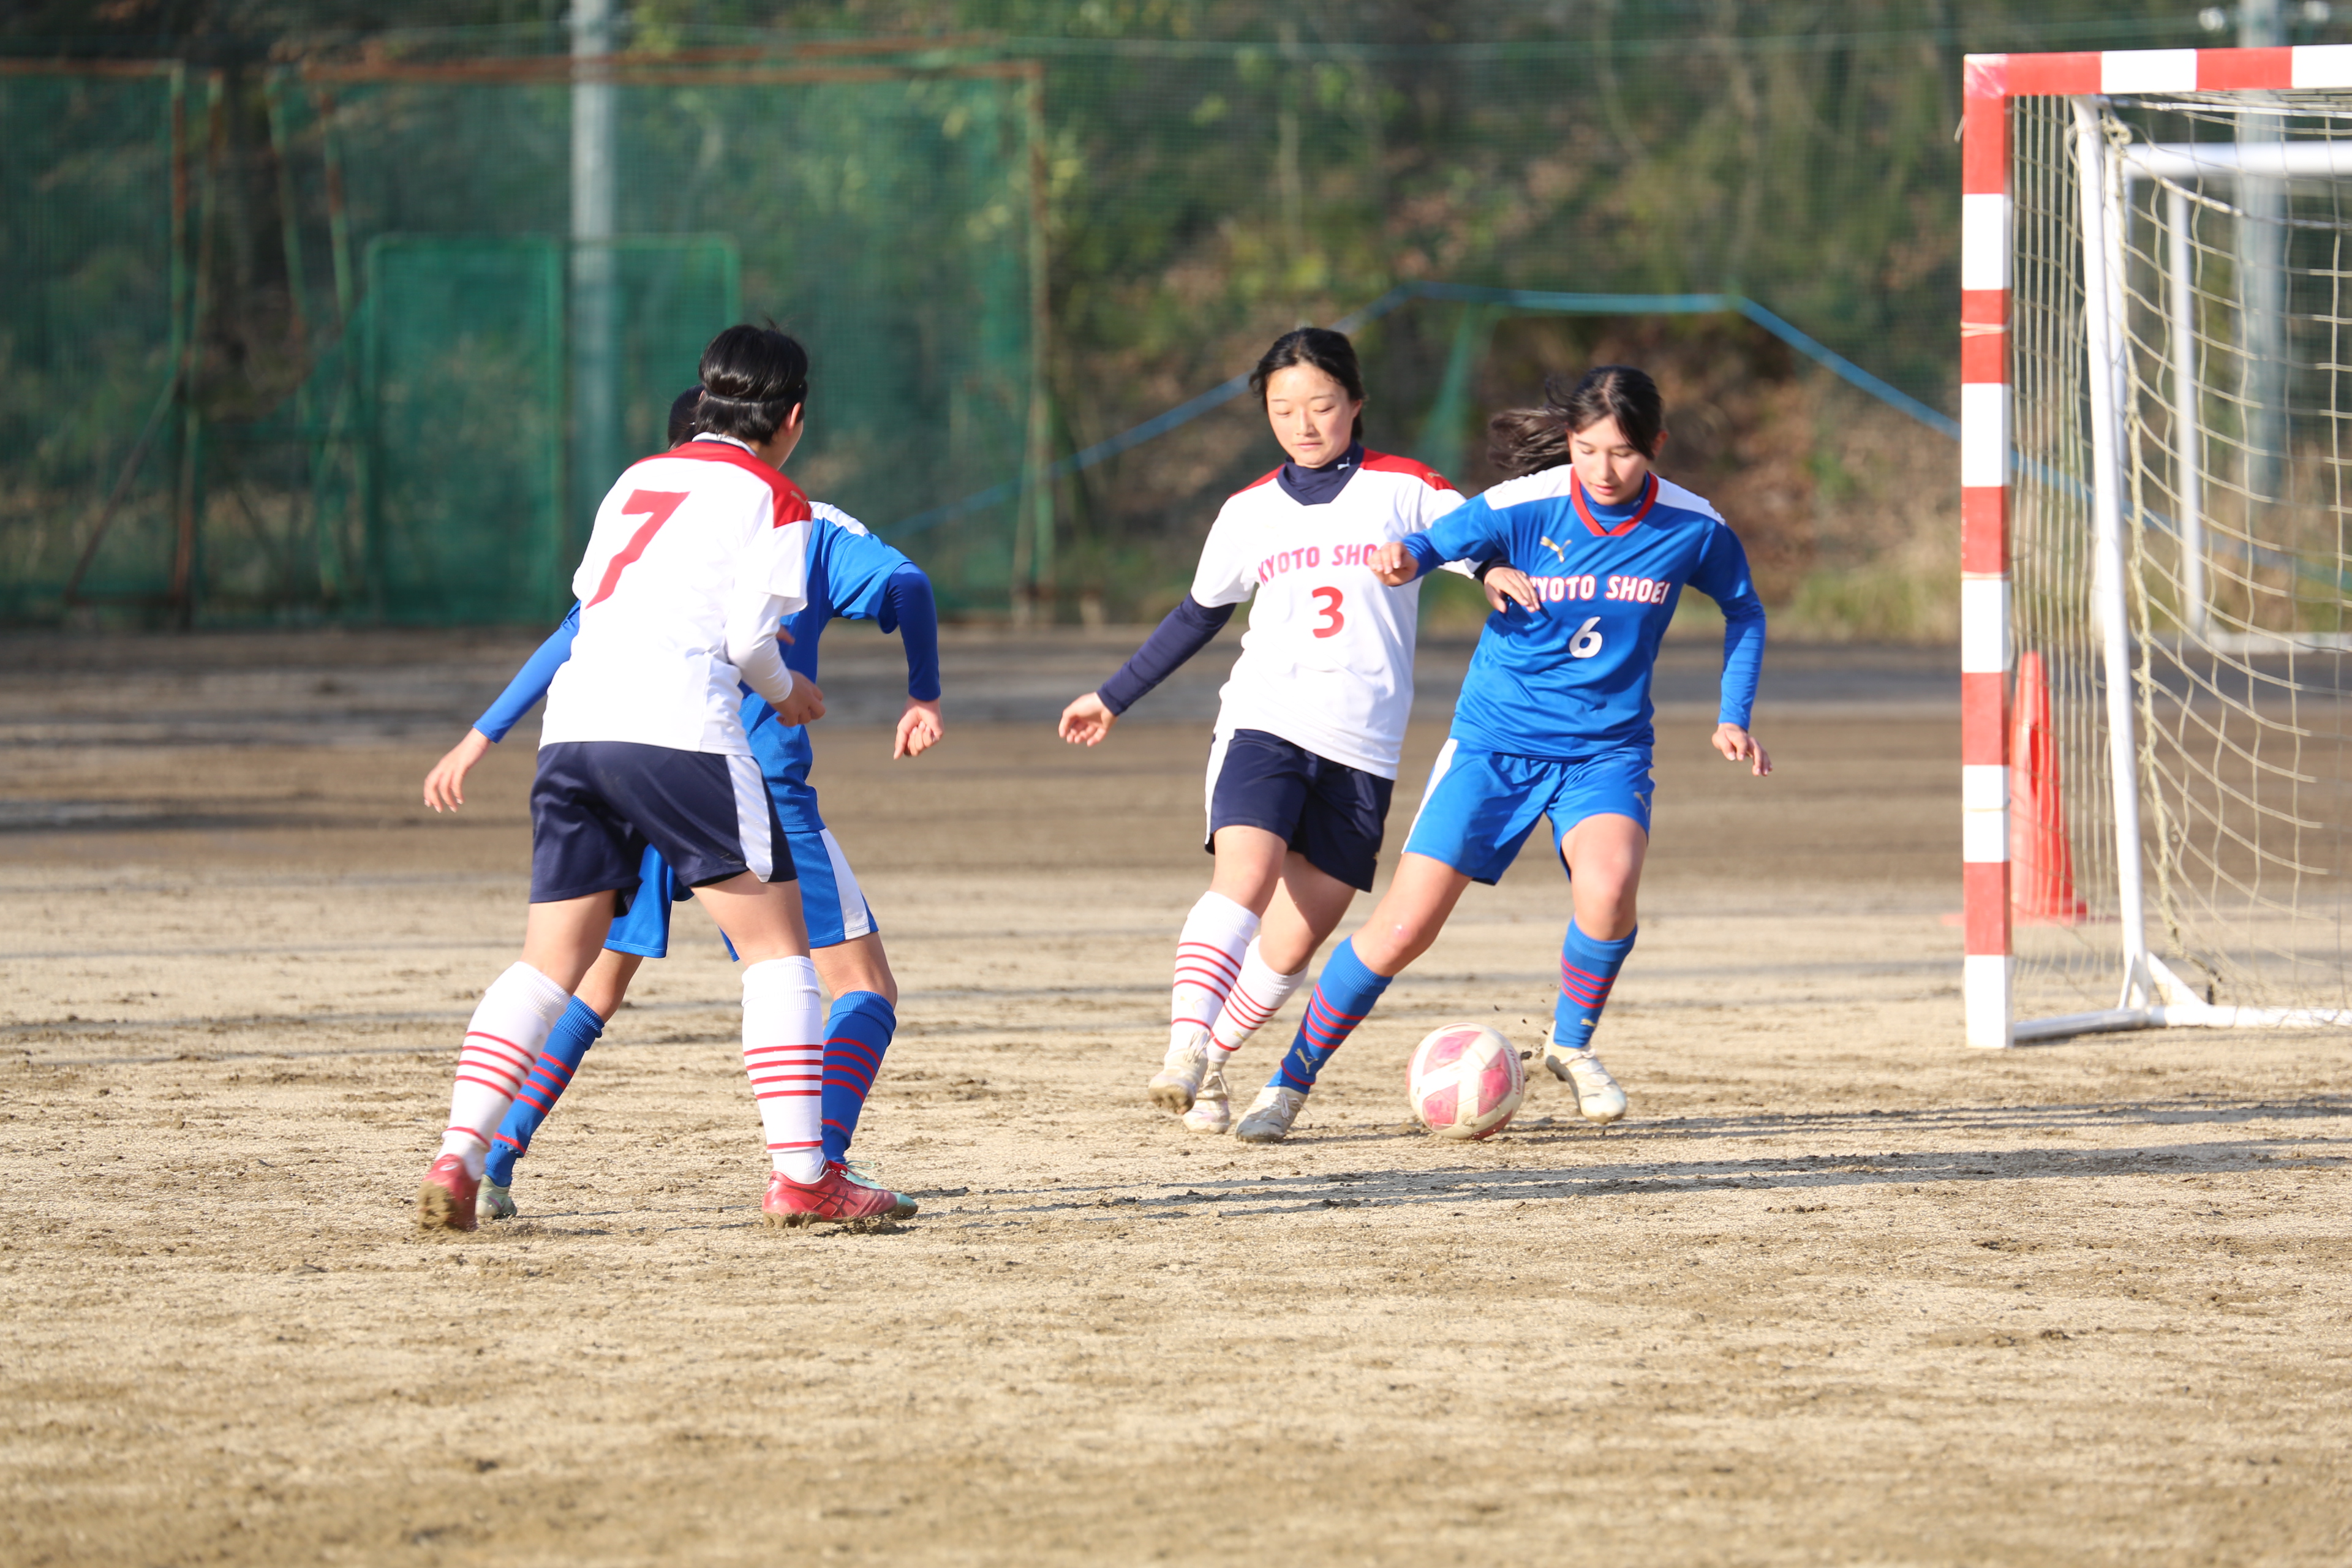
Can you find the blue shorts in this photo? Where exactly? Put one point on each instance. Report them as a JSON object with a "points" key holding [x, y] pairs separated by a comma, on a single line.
{"points": [[1480, 806], [831, 900], [1330, 813], [597, 805]]}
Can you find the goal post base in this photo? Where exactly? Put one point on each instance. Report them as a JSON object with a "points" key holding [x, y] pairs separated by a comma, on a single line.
{"points": [[2178, 1008]]}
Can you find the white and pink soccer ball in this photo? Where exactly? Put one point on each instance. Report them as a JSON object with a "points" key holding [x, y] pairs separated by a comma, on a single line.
{"points": [[1465, 1082]]}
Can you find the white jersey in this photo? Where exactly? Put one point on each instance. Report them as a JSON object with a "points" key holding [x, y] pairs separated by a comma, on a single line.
{"points": [[1326, 663], [683, 541]]}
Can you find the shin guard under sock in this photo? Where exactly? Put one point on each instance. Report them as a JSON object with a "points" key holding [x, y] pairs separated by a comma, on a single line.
{"points": [[510, 1025], [1208, 961], [1342, 997], [578, 1029], [784, 1055], [1588, 969], [857, 1034]]}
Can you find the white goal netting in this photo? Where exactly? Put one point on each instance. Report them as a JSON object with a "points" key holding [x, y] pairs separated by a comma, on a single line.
{"points": [[2217, 271]]}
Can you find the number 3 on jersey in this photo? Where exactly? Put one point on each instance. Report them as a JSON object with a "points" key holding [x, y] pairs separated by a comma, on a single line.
{"points": [[655, 506], [1333, 621]]}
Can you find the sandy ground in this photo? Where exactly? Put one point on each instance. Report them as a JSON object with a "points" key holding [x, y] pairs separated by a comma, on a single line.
{"points": [[1838, 1291]]}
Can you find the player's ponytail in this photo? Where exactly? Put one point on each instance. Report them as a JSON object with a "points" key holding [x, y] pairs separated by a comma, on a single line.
{"points": [[1321, 348], [1522, 441], [1529, 440], [752, 378]]}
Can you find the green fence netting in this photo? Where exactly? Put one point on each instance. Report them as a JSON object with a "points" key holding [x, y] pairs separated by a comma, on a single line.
{"points": [[894, 207], [452, 376], [94, 301]]}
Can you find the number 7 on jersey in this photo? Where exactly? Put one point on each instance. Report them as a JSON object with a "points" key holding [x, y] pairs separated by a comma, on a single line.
{"points": [[655, 506]]}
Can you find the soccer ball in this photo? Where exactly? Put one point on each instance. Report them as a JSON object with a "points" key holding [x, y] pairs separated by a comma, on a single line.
{"points": [[1465, 1082]]}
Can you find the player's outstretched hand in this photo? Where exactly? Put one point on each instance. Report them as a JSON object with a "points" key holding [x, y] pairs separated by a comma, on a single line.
{"points": [[1507, 586], [1738, 746], [445, 786], [1085, 721], [919, 729], [1391, 564], [805, 704]]}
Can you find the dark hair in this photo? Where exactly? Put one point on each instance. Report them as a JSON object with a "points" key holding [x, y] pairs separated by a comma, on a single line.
{"points": [[682, 410], [1321, 348], [1525, 441], [752, 378], [1529, 440]]}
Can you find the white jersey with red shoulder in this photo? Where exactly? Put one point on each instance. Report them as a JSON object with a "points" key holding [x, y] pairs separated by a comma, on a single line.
{"points": [[684, 539], [1326, 663]]}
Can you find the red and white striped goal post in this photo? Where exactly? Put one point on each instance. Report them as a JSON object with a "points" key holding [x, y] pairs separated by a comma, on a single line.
{"points": [[1990, 81]]}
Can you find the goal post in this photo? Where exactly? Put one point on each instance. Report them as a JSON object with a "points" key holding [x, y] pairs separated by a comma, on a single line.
{"points": [[2156, 469]]}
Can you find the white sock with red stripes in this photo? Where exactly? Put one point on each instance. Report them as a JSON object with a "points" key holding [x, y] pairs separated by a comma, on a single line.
{"points": [[1208, 961], [509, 1025], [784, 1054], [1256, 996]]}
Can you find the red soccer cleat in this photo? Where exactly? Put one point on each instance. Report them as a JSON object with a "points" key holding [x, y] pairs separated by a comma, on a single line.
{"points": [[446, 1201], [832, 1196]]}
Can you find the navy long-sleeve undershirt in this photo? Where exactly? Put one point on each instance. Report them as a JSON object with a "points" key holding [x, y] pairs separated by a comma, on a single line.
{"points": [[1187, 629]]}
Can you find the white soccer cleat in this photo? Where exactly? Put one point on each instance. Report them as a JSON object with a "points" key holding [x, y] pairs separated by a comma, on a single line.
{"points": [[1178, 1082], [1597, 1094], [1213, 1108], [494, 1201], [1268, 1119]]}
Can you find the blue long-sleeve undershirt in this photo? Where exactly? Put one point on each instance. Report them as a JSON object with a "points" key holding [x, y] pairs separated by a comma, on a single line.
{"points": [[530, 682], [1187, 629], [909, 609], [1743, 661]]}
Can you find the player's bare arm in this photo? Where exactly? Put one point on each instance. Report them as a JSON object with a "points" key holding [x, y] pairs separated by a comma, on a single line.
{"points": [[919, 729], [445, 786], [1738, 746], [1086, 721]]}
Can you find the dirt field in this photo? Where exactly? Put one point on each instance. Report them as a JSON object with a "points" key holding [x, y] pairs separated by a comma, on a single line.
{"points": [[1838, 1291]]}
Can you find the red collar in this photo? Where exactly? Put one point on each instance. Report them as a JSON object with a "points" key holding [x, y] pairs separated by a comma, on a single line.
{"points": [[1649, 499]]}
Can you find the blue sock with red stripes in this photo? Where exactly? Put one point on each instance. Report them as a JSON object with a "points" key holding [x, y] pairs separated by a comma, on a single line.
{"points": [[1586, 969], [578, 1029], [1344, 993], [856, 1032]]}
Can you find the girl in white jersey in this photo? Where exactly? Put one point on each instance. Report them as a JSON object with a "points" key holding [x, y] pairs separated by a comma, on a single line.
{"points": [[696, 554], [1312, 723]]}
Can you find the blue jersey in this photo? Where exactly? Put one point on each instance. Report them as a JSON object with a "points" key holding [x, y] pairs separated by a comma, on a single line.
{"points": [[1572, 681], [851, 574]]}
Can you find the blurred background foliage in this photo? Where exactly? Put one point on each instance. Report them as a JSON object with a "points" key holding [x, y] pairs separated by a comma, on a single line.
{"points": [[1217, 170]]}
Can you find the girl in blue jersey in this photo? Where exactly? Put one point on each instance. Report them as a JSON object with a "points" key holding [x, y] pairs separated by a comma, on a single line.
{"points": [[1554, 718], [851, 574]]}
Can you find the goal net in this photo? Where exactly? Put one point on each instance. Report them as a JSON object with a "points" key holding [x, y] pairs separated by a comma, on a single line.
{"points": [[2164, 825]]}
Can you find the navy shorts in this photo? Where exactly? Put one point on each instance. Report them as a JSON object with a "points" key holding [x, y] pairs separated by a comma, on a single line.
{"points": [[1480, 806], [596, 806], [1330, 813]]}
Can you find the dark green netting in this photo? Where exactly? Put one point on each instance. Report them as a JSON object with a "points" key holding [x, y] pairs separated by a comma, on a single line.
{"points": [[91, 305], [458, 379], [1202, 200]]}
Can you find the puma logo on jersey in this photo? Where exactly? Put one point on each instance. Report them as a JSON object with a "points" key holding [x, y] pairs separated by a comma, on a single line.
{"points": [[1555, 548]]}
